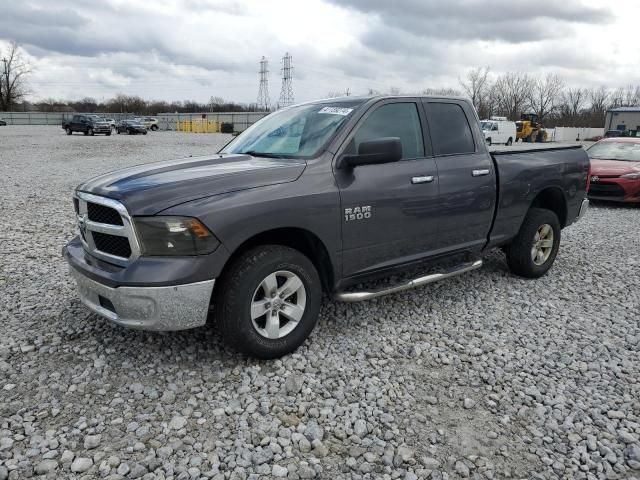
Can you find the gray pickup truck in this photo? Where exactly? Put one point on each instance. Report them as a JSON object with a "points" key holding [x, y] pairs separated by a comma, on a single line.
{"points": [[318, 197]]}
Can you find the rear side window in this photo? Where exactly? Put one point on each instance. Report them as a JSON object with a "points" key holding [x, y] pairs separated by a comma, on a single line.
{"points": [[392, 120], [450, 130]]}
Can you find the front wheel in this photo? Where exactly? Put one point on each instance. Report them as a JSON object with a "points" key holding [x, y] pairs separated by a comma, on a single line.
{"points": [[108, 133], [533, 251], [90, 131], [268, 301], [488, 140], [68, 130], [154, 127]]}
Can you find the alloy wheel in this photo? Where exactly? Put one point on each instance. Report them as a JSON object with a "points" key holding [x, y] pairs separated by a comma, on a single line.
{"points": [[542, 245], [278, 304]]}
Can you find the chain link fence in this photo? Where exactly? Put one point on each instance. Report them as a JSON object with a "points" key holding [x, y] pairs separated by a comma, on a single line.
{"points": [[166, 121]]}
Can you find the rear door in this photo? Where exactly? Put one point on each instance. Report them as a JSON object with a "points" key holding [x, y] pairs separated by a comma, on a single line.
{"points": [[388, 209], [467, 181]]}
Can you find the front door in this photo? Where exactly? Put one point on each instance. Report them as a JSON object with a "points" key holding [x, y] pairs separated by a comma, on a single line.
{"points": [[388, 209]]}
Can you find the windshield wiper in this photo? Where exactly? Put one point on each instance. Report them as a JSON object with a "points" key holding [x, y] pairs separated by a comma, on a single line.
{"points": [[253, 153]]}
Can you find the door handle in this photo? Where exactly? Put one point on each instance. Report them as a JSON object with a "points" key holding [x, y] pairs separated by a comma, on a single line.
{"points": [[422, 179], [480, 173]]}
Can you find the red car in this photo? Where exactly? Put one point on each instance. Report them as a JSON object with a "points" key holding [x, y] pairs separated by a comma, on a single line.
{"points": [[615, 169]]}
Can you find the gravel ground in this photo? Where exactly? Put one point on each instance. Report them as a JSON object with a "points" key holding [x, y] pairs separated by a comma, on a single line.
{"points": [[482, 376]]}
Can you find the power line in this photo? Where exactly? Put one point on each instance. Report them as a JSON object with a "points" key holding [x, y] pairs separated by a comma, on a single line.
{"points": [[286, 93], [264, 103]]}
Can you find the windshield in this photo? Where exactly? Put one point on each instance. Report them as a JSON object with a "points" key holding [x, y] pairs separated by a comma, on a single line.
{"points": [[486, 125], [626, 151], [294, 132]]}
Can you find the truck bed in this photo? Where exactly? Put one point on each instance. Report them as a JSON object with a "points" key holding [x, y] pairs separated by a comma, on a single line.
{"points": [[529, 174]]}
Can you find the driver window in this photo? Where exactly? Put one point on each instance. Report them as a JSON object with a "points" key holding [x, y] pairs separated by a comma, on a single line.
{"points": [[392, 120]]}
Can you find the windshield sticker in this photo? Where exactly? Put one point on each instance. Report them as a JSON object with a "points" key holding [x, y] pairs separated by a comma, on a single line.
{"points": [[336, 110]]}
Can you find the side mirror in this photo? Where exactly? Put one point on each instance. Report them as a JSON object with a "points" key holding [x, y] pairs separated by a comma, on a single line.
{"points": [[372, 152]]}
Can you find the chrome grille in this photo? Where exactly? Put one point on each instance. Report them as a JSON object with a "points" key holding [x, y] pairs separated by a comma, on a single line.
{"points": [[106, 229]]}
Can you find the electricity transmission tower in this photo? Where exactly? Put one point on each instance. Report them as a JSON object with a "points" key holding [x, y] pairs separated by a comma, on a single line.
{"points": [[263, 92], [286, 94]]}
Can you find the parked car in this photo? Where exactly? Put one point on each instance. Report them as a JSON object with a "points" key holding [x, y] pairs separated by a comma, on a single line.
{"points": [[615, 170], [111, 122], [150, 122], [2, 123], [317, 197], [87, 124], [498, 130], [613, 133], [131, 127]]}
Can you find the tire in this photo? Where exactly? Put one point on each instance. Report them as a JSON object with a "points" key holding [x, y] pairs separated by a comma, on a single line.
{"points": [[520, 253], [90, 131], [108, 134], [154, 127], [243, 285], [533, 137], [144, 133], [509, 142], [68, 130], [118, 131], [488, 141]]}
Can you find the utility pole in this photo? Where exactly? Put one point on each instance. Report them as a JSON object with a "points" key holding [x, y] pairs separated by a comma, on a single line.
{"points": [[263, 91], [286, 93], [347, 93]]}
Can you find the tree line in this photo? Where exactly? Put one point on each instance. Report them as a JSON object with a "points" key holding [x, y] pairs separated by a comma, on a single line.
{"points": [[556, 104], [134, 104]]}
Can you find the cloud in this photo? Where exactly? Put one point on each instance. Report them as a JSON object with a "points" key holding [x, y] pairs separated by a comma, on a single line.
{"points": [[199, 48], [501, 20]]}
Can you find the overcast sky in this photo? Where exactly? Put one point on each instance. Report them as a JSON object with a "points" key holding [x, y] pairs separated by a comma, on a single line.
{"points": [[193, 49]]}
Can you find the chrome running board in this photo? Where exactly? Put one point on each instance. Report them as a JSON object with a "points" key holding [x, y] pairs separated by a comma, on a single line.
{"points": [[416, 282]]}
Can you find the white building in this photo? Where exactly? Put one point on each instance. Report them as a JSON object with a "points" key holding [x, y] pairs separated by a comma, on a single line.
{"points": [[622, 118]]}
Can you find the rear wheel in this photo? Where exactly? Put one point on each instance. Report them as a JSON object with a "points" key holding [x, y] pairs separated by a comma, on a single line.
{"points": [[488, 141], [268, 301], [154, 127], [90, 131], [509, 142], [533, 251]]}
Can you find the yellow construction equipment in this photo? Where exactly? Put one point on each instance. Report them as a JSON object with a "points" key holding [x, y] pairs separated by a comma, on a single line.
{"points": [[528, 129], [198, 126]]}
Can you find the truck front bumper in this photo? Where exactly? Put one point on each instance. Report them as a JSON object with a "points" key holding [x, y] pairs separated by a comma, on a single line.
{"points": [[176, 307], [166, 306]]}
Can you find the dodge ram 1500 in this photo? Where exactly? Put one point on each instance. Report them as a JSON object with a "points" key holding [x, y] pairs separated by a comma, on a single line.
{"points": [[318, 197]]}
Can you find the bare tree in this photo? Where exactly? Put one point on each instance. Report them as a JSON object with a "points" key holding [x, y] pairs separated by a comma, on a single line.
{"points": [[544, 96], [476, 87], [14, 72], [631, 96], [598, 97], [573, 101], [512, 91], [441, 91]]}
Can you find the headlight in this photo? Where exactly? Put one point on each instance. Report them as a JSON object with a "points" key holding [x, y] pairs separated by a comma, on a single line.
{"points": [[631, 176], [174, 236]]}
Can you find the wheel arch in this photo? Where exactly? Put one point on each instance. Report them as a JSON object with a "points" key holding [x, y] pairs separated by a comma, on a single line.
{"points": [[303, 240], [552, 198]]}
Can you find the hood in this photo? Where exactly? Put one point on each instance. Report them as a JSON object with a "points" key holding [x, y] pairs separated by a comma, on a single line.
{"points": [[149, 189], [613, 168]]}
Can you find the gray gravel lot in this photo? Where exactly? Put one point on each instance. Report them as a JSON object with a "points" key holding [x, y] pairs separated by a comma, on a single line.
{"points": [[482, 376]]}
